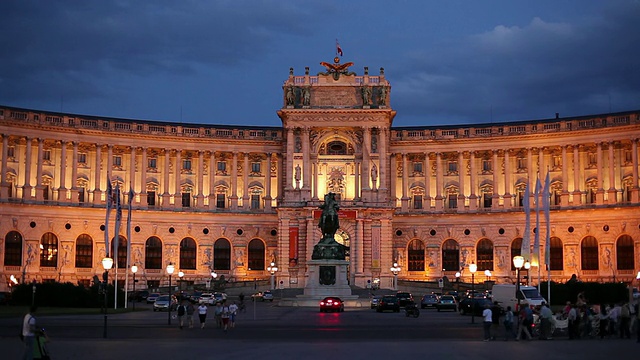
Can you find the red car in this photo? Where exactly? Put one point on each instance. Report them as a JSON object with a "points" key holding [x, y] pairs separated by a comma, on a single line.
{"points": [[331, 304]]}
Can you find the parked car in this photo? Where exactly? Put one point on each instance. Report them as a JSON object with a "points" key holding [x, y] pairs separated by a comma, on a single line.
{"points": [[139, 295], [207, 298], [257, 296], [389, 302], [375, 300], [331, 303], [429, 300], [404, 298], [152, 298], [267, 296], [163, 302], [194, 297], [475, 305], [447, 302], [219, 297]]}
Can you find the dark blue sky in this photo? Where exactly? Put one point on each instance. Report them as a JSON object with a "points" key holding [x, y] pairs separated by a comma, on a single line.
{"points": [[224, 62]]}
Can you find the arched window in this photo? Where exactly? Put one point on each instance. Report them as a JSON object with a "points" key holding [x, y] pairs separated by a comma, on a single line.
{"points": [[153, 253], [188, 254], [516, 250], [256, 254], [589, 253], [49, 250], [13, 249], [222, 255], [484, 251], [415, 254], [624, 253], [556, 254], [122, 251], [84, 251], [451, 255]]}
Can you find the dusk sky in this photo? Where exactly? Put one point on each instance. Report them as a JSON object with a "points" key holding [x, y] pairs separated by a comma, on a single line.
{"points": [[224, 62]]}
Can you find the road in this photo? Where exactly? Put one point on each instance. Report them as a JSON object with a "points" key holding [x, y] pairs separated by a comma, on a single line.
{"points": [[293, 333]]}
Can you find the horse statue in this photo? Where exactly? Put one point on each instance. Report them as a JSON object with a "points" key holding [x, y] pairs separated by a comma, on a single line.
{"points": [[328, 247]]}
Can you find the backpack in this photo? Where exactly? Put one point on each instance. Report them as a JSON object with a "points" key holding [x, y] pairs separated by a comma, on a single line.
{"points": [[624, 311], [181, 310]]}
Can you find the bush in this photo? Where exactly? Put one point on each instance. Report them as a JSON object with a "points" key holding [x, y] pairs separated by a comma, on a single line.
{"points": [[56, 294]]}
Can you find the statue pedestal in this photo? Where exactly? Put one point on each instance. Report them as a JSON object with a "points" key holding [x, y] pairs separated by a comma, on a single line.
{"points": [[327, 277]]}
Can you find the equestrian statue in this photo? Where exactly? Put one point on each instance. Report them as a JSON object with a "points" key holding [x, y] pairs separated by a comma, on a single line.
{"points": [[328, 247]]}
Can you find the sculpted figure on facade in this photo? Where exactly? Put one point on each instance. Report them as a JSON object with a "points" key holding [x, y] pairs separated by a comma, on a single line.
{"points": [[382, 95], [306, 96], [366, 96], [290, 97]]}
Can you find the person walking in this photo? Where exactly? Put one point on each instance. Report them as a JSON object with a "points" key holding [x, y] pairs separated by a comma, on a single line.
{"points": [[218, 314], [523, 322], [233, 309], [182, 311], [508, 324], [624, 318], [603, 318], [573, 322], [495, 318], [486, 322], [546, 316], [225, 316], [29, 333], [190, 310], [202, 314]]}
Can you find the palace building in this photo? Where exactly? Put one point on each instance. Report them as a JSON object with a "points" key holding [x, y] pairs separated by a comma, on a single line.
{"points": [[234, 199]]}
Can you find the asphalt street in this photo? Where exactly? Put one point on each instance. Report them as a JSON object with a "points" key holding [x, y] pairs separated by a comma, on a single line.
{"points": [[268, 330]]}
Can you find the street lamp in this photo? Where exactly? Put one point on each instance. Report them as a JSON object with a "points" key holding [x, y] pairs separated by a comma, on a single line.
{"points": [[272, 269], [527, 266], [472, 269], [395, 269], [458, 274], [518, 261], [170, 269], [180, 275], [487, 273], [107, 263], [134, 270], [214, 275]]}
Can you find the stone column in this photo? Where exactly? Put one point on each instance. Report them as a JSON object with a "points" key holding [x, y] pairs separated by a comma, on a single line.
{"points": [[356, 180], [366, 159], [634, 158], [508, 203], [426, 171], [611, 193], [439, 181], [267, 184], [97, 192], [564, 195], [62, 190], [306, 168], [143, 178], [599, 165], [177, 195], [542, 171], [289, 166], [461, 173], [495, 198], [132, 171], [4, 184], [213, 167], [577, 193], [74, 174], [473, 179], [26, 189], [166, 196], [234, 181], [360, 247], [200, 196], [39, 186], [384, 160], [405, 183], [245, 182], [314, 178], [393, 174], [531, 180]]}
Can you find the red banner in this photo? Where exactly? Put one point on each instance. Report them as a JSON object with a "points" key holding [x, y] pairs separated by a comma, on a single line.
{"points": [[342, 214], [293, 246]]}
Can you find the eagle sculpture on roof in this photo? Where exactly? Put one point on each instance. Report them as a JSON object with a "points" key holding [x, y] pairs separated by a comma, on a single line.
{"points": [[336, 69]]}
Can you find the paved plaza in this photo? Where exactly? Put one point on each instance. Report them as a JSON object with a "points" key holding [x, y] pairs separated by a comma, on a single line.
{"points": [[269, 331]]}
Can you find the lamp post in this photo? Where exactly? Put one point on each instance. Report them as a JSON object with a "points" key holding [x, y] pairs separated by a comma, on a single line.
{"points": [[395, 269], [180, 275], [518, 261], [107, 263], [134, 270], [527, 266], [458, 274], [170, 269], [472, 269], [214, 275], [272, 269], [33, 293], [487, 273]]}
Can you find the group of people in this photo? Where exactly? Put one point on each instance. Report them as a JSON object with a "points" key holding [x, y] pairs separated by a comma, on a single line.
{"points": [[225, 315], [583, 321]]}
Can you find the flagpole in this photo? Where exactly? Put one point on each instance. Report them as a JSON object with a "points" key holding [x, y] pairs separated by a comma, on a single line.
{"points": [[547, 205], [525, 248], [126, 278], [536, 243], [116, 242]]}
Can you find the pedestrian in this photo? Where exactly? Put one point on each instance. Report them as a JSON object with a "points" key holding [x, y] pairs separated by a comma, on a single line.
{"points": [[182, 311], [225, 316], [29, 333], [546, 316], [233, 309], [202, 314], [603, 318], [637, 310], [523, 322], [624, 318], [495, 318], [218, 314], [241, 297], [508, 324], [573, 322], [486, 322], [190, 310]]}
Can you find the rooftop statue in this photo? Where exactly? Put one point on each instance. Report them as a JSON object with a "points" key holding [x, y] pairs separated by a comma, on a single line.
{"points": [[328, 247]]}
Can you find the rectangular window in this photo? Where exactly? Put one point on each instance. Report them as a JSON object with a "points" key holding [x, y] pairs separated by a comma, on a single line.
{"points": [[186, 199], [220, 201], [453, 201], [628, 156], [453, 166], [417, 167], [46, 156], [151, 198], [255, 168], [152, 163], [11, 151], [255, 202], [417, 201], [592, 159], [486, 165], [487, 200], [82, 158], [186, 164], [81, 194], [84, 253], [522, 163], [222, 166], [117, 160], [46, 192], [557, 162]]}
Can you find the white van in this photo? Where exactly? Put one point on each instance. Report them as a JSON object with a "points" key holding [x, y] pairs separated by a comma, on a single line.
{"points": [[505, 295]]}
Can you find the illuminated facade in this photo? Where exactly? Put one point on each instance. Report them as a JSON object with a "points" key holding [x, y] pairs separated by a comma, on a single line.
{"points": [[236, 198]]}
